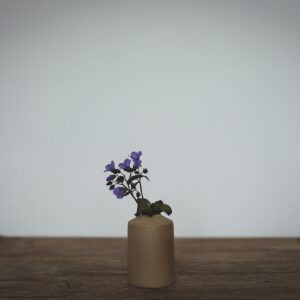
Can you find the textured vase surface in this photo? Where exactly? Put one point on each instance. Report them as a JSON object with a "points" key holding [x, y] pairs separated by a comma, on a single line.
{"points": [[151, 251]]}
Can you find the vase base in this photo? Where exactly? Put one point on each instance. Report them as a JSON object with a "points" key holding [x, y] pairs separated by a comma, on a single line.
{"points": [[150, 286]]}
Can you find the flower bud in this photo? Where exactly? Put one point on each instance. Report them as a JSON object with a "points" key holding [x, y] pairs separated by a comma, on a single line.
{"points": [[120, 179]]}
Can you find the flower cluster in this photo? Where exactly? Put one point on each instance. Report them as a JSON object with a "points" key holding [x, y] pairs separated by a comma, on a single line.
{"points": [[127, 180], [120, 184]]}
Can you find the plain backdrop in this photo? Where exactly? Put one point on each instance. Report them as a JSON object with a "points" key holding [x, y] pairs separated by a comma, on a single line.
{"points": [[208, 90]]}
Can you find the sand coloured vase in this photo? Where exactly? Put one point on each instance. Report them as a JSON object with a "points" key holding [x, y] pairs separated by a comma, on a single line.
{"points": [[151, 251]]}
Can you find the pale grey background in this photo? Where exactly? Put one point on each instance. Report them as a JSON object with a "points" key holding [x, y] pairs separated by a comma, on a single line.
{"points": [[208, 90]]}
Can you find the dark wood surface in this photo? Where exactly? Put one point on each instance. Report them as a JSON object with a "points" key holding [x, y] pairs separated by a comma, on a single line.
{"points": [[95, 268]]}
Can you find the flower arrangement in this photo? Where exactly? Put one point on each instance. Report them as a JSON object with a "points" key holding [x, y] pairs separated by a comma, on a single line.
{"points": [[127, 180]]}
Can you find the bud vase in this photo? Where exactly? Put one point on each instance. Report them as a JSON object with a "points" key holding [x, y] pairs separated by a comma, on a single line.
{"points": [[151, 251]]}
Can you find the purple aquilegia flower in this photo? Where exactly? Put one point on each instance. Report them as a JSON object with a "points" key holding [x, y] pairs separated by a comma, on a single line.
{"points": [[119, 192], [110, 166], [136, 158], [125, 164], [110, 178]]}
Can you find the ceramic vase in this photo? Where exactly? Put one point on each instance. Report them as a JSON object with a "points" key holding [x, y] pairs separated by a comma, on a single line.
{"points": [[151, 251]]}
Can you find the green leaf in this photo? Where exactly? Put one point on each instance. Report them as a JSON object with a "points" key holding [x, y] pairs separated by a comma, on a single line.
{"points": [[156, 207], [144, 207], [167, 209], [136, 177], [150, 209]]}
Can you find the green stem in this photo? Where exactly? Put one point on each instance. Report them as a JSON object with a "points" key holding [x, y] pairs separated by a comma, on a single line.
{"points": [[141, 188], [128, 187]]}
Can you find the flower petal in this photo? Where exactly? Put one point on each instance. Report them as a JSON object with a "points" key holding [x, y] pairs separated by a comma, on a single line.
{"points": [[134, 155]]}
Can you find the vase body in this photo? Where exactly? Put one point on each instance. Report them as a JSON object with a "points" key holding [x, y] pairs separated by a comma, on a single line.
{"points": [[151, 251]]}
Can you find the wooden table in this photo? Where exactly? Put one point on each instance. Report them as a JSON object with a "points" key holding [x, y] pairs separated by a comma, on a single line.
{"points": [[95, 268]]}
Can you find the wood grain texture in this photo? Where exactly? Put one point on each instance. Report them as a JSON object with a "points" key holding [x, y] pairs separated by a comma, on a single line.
{"points": [[95, 268]]}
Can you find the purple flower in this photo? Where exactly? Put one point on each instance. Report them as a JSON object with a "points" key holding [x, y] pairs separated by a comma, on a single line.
{"points": [[125, 164], [136, 155], [136, 158], [110, 178], [119, 192], [110, 167], [137, 163]]}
